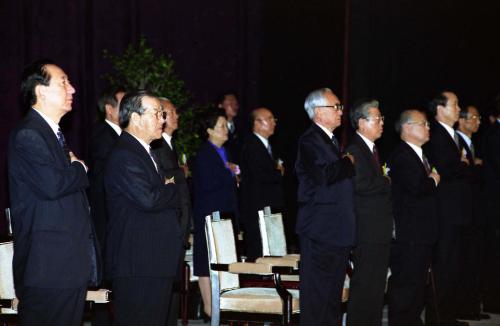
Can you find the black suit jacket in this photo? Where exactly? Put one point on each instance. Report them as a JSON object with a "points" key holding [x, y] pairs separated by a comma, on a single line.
{"points": [[454, 192], [325, 191], [144, 237], [101, 142], [491, 156], [53, 234], [261, 183], [235, 139], [170, 165], [373, 204], [414, 195], [214, 185]]}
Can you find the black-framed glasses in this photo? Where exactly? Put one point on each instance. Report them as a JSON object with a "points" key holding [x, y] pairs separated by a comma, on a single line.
{"points": [[160, 114], [419, 123], [376, 118], [336, 107]]}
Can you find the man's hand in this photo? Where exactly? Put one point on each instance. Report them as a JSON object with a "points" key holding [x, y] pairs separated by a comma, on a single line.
{"points": [[435, 176], [73, 158], [349, 156], [478, 161], [170, 180]]}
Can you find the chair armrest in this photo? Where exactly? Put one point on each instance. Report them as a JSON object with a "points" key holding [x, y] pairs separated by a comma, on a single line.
{"points": [[295, 257], [278, 261], [98, 296], [243, 268], [9, 303]]}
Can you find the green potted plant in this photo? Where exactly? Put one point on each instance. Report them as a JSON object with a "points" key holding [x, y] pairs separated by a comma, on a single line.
{"points": [[140, 68]]}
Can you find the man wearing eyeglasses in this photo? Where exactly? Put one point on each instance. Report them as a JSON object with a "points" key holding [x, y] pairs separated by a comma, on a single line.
{"points": [[325, 222], [470, 285], [144, 238], [414, 186], [374, 220], [454, 210], [261, 178]]}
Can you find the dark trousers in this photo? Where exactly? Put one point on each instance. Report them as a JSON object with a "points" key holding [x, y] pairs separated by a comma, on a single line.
{"points": [[367, 286], [491, 290], [55, 307], [446, 267], [141, 300], [322, 274], [469, 294], [253, 241], [408, 283]]}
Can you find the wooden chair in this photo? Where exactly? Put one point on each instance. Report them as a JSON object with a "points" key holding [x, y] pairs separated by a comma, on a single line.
{"points": [[231, 302]]}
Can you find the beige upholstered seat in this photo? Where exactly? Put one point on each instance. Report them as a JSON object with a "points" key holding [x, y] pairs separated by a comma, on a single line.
{"points": [[227, 296]]}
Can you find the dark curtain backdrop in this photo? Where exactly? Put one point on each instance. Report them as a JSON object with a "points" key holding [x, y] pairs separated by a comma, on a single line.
{"points": [[271, 52]]}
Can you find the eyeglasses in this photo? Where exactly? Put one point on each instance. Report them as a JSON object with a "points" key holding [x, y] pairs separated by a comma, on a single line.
{"points": [[474, 117], [160, 114], [420, 123], [336, 107], [267, 120], [377, 118]]}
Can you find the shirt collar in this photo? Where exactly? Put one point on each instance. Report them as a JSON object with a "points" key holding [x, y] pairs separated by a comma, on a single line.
{"points": [[167, 138], [465, 137], [262, 139], [143, 143], [328, 132], [54, 126], [417, 150], [115, 127], [368, 142], [449, 129]]}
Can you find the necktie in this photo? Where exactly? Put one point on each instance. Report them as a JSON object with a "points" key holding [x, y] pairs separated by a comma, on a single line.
{"points": [[335, 141], [62, 142], [376, 156], [155, 160], [426, 164], [472, 150], [269, 149], [455, 138]]}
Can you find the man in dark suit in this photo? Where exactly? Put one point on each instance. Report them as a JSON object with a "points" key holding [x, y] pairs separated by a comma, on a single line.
{"points": [[169, 162], [144, 239], [472, 240], [228, 102], [453, 205], [491, 156], [55, 256], [374, 221], [326, 221], [261, 178], [413, 189], [103, 137]]}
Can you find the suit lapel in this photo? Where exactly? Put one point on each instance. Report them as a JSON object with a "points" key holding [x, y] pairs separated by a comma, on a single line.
{"points": [[326, 139], [451, 143], [51, 138], [414, 156], [137, 147], [367, 154], [263, 149]]}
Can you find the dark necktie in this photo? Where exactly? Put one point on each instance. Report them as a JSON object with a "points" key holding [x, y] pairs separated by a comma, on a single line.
{"points": [[335, 141], [62, 142], [455, 138], [269, 149], [472, 151], [155, 160], [376, 157], [426, 164]]}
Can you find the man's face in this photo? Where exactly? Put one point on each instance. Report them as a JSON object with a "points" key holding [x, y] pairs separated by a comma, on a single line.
{"points": [[264, 123], [373, 126], [471, 124], [417, 129], [151, 121], [327, 115], [451, 111], [230, 106], [113, 112], [172, 119], [58, 95]]}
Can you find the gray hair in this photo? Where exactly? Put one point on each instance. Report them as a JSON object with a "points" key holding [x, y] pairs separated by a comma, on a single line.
{"points": [[404, 118], [314, 99], [360, 111]]}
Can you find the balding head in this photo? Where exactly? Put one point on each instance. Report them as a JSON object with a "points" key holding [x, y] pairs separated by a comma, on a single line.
{"points": [[263, 122]]}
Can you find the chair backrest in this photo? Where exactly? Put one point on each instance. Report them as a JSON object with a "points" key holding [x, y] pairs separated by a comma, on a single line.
{"points": [[221, 249], [6, 276], [272, 233]]}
